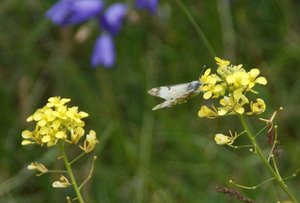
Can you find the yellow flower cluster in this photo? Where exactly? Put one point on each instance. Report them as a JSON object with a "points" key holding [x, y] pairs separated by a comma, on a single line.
{"points": [[231, 83], [56, 121]]}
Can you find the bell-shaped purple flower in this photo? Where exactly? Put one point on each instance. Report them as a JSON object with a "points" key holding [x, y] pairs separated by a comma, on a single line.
{"points": [[113, 17], [68, 12], [104, 51], [150, 5]]}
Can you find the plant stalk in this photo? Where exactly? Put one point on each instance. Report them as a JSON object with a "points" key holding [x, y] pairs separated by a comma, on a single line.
{"points": [[267, 165], [70, 172]]}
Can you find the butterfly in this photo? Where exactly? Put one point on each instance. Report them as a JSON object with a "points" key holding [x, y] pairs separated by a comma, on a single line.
{"points": [[175, 94]]}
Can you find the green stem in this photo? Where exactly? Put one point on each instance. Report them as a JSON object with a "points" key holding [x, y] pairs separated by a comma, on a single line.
{"points": [[267, 165], [70, 172]]}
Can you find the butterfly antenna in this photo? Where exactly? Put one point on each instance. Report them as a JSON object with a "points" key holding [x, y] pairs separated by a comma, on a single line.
{"points": [[202, 70]]}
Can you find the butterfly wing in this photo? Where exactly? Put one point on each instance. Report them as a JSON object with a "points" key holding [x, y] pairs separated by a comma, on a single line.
{"points": [[175, 94]]}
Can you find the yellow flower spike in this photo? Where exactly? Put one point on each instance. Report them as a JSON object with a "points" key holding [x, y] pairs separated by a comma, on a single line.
{"points": [[222, 139]]}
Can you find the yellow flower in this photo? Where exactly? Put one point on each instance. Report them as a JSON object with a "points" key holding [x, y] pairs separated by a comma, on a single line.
{"points": [[257, 107], [230, 105], [55, 121], [232, 82], [56, 101], [222, 139], [239, 97], [90, 142], [207, 112], [37, 166], [253, 73], [61, 183], [238, 79], [210, 86], [222, 62]]}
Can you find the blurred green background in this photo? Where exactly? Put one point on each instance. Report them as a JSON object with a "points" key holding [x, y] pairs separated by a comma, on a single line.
{"points": [[143, 156]]}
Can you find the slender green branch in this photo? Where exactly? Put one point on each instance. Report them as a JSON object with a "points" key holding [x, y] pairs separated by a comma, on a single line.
{"points": [[293, 175], [274, 144], [57, 171], [78, 157], [238, 147], [275, 167], [90, 173], [267, 165], [197, 28], [70, 172], [51, 171], [251, 187], [261, 130]]}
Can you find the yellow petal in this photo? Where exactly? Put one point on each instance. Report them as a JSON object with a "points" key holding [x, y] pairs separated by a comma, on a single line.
{"points": [[83, 114], [32, 166], [222, 139], [230, 79], [46, 138], [26, 142], [29, 119], [42, 123], [37, 116], [26, 134], [222, 111], [207, 95], [261, 80], [254, 72], [60, 135], [240, 110]]}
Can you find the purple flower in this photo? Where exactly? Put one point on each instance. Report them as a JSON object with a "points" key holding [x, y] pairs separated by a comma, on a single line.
{"points": [[66, 12], [104, 51], [113, 17], [150, 5]]}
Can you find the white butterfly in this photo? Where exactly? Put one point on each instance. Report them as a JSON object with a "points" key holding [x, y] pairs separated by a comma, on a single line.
{"points": [[175, 94]]}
